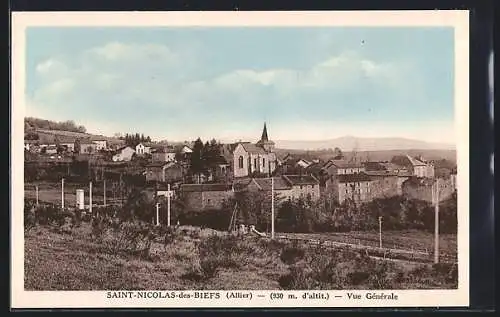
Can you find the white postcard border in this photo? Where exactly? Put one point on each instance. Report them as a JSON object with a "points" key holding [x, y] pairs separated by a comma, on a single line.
{"points": [[458, 19]]}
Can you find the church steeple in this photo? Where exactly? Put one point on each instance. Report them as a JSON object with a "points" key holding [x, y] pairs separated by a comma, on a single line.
{"points": [[264, 141], [264, 137]]}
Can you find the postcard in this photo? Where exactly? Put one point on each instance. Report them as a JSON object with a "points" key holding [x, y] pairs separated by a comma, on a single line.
{"points": [[240, 159]]}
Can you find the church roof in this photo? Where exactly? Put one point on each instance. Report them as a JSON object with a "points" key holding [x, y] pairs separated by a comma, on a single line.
{"points": [[264, 134], [252, 148]]}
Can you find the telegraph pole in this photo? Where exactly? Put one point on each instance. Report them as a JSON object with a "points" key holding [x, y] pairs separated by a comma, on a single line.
{"points": [[272, 207], [36, 190], [380, 232], [62, 193], [168, 204], [157, 214], [104, 193], [436, 222], [90, 198]]}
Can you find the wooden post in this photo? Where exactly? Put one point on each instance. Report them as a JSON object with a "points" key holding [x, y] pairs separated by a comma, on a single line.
{"points": [[62, 193], [36, 190]]}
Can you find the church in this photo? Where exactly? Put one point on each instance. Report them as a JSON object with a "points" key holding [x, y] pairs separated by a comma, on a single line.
{"points": [[254, 159]]}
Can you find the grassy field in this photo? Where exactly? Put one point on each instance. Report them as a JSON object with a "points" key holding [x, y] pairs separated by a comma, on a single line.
{"points": [[76, 261]]}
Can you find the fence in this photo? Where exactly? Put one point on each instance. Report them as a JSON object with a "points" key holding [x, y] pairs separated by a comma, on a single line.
{"points": [[389, 253]]}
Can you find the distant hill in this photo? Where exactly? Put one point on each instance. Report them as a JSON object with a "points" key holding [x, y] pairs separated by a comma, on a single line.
{"points": [[31, 123], [349, 143], [378, 156]]}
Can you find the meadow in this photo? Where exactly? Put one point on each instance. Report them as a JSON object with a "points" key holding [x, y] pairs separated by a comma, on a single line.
{"points": [[188, 258]]}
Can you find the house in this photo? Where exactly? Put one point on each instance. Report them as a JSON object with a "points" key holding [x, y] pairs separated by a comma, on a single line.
{"points": [[51, 149], [363, 187], [416, 165], [197, 197], [87, 146], [286, 186], [186, 150], [422, 188], [123, 154], [342, 167], [142, 149], [390, 181], [453, 178], [69, 146], [355, 187], [303, 186], [164, 172], [254, 159], [101, 144], [163, 155], [30, 144], [302, 163]]}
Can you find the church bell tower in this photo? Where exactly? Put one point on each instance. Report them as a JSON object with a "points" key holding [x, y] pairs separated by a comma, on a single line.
{"points": [[264, 141]]}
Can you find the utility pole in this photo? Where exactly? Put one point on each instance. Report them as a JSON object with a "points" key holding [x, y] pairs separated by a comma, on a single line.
{"points": [[157, 214], [104, 193], [272, 207], [36, 190], [436, 222], [380, 232], [90, 197], [62, 193], [169, 194]]}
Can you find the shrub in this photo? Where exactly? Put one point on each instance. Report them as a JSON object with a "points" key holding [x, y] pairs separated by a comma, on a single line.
{"points": [[292, 254]]}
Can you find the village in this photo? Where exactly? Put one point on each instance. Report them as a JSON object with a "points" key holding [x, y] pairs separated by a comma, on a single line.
{"points": [[207, 182]]}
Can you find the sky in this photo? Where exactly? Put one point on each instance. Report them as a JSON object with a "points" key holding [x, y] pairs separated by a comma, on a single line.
{"points": [[306, 83]]}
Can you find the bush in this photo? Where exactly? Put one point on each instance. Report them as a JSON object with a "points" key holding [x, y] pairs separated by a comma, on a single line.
{"points": [[292, 254]]}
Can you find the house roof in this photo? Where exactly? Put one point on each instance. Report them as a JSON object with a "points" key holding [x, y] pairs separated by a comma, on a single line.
{"points": [[419, 181], [253, 148], [123, 148], [266, 185], [301, 179], [381, 173], [374, 166], [414, 161], [162, 164], [351, 178], [86, 141], [205, 187], [315, 167], [342, 164]]}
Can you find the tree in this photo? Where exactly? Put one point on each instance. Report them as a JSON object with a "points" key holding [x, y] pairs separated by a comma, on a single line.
{"points": [[337, 153], [77, 146], [197, 157]]}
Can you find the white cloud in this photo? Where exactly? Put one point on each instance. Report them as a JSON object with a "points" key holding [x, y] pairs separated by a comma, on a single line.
{"points": [[119, 75]]}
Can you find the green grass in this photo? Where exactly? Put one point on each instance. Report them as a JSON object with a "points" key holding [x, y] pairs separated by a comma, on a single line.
{"points": [[55, 261]]}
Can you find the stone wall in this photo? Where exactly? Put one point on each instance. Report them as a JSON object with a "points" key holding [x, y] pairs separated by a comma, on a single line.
{"points": [[197, 201], [414, 189]]}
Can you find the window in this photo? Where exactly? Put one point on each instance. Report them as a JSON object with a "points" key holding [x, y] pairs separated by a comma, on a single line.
{"points": [[255, 163], [240, 162], [263, 162]]}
